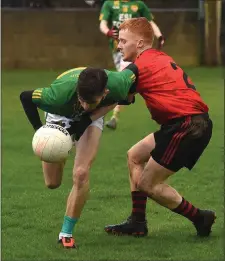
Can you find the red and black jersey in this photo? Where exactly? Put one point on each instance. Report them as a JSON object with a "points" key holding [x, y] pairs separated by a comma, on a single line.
{"points": [[167, 90]]}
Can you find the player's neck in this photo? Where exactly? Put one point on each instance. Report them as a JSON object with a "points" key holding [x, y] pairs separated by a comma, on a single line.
{"points": [[143, 49]]}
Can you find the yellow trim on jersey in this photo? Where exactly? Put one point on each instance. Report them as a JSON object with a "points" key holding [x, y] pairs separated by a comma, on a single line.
{"points": [[101, 17], [125, 9], [133, 77], [116, 3], [74, 69], [37, 94]]}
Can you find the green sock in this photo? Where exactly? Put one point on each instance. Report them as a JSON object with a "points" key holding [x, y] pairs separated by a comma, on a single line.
{"points": [[68, 225]]}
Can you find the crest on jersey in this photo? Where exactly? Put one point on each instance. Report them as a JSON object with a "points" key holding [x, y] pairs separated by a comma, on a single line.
{"points": [[134, 8], [125, 9]]}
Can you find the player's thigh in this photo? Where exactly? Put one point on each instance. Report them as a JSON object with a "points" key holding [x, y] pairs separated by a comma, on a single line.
{"points": [[53, 173], [153, 174], [141, 151], [193, 148], [87, 146], [177, 147]]}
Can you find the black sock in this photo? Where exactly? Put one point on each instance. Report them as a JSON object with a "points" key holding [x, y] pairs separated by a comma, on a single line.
{"points": [[139, 200], [187, 210]]}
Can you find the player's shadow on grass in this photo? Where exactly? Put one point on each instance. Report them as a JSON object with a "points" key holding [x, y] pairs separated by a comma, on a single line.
{"points": [[187, 235], [168, 237]]}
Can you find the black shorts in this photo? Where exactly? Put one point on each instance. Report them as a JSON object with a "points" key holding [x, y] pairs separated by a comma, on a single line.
{"points": [[181, 141]]}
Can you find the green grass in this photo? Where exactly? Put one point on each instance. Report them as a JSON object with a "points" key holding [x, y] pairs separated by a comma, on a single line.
{"points": [[32, 215]]}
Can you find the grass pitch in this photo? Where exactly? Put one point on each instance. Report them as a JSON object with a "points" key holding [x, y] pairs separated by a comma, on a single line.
{"points": [[32, 215]]}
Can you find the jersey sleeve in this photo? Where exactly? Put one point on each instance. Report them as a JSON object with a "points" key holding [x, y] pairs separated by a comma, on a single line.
{"points": [[105, 12], [145, 12], [121, 83], [55, 95]]}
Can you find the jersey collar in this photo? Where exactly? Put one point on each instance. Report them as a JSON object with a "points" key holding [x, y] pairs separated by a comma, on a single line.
{"points": [[149, 49]]}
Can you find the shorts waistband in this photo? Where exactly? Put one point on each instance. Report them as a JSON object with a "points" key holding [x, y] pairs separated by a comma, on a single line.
{"points": [[182, 119], [55, 122]]}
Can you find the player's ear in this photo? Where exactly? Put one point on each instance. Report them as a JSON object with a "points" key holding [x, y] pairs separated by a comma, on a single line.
{"points": [[140, 43]]}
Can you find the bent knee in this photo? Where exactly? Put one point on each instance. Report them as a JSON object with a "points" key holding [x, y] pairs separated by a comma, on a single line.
{"points": [[132, 157], [80, 176], [52, 185]]}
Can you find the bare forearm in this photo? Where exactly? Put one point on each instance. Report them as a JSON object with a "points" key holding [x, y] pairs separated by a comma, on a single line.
{"points": [[104, 27], [156, 29], [101, 112]]}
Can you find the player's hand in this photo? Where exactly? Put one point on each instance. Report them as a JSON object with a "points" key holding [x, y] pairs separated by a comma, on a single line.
{"points": [[113, 33], [161, 41], [78, 127]]}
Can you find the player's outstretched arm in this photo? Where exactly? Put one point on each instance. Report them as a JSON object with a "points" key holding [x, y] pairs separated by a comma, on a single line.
{"points": [[100, 112], [30, 109], [122, 85], [79, 127]]}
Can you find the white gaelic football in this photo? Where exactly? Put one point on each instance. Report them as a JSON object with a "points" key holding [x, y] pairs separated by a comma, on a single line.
{"points": [[52, 143]]}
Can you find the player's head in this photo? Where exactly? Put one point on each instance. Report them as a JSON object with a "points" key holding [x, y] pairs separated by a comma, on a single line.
{"points": [[91, 87], [135, 36]]}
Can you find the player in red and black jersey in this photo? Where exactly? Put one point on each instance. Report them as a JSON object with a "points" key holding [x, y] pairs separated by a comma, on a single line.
{"points": [[184, 134], [185, 131]]}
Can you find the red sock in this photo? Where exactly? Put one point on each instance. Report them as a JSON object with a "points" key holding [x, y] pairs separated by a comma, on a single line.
{"points": [[139, 200], [187, 210]]}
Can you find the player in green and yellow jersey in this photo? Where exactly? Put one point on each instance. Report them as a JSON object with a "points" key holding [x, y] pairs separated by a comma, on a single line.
{"points": [[81, 117], [112, 14]]}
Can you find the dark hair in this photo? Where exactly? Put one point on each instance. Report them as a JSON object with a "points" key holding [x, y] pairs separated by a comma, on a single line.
{"points": [[91, 83]]}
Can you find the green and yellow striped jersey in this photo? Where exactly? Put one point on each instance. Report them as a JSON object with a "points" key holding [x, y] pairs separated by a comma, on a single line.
{"points": [[61, 97], [116, 12]]}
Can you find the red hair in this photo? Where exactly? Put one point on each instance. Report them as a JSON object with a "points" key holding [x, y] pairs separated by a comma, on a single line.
{"points": [[139, 26]]}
